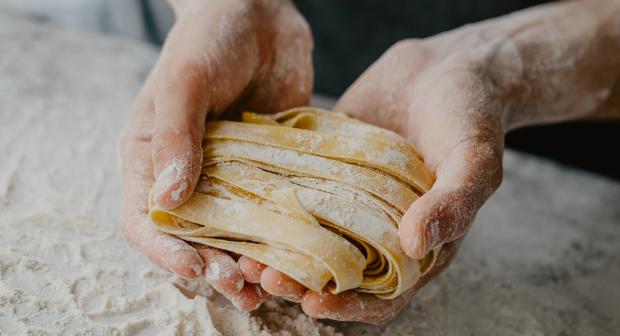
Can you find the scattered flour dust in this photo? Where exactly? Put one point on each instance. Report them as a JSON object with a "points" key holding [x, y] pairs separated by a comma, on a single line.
{"points": [[173, 172], [65, 268], [176, 194]]}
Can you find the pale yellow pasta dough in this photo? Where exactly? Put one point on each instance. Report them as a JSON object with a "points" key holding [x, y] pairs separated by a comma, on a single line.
{"points": [[312, 193]]}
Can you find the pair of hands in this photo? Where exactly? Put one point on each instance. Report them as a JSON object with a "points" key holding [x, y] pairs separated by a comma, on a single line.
{"points": [[224, 56]]}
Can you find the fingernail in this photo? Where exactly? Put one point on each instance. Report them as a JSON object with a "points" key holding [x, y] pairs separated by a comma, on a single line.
{"points": [[245, 299], [424, 240], [241, 303], [412, 245], [429, 237], [213, 272], [176, 194], [240, 283], [166, 179], [197, 269]]}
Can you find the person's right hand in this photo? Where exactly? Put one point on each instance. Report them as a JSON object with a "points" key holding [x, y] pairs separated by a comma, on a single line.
{"points": [[221, 56]]}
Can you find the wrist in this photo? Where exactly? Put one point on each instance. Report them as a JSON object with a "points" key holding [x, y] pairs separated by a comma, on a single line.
{"points": [[554, 62], [546, 64]]}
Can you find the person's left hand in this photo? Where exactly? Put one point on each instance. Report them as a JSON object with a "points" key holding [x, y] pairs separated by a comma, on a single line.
{"points": [[221, 57], [433, 92]]}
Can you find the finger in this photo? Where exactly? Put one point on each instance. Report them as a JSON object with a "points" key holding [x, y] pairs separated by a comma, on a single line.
{"points": [[164, 250], [249, 298], [221, 271], [280, 284], [194, 76], [251, 269], [224, 275], [289, 82], [136, 166], [465, 180], [351, 306], [180, 113]]}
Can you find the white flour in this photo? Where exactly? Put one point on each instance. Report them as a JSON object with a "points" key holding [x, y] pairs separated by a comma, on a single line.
{"points": [[543, 257]]}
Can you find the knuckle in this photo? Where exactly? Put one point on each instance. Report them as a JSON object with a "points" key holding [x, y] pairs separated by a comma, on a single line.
{"points": [[405, 46], [185, 130], [195, 131], [169, 145], [186, 65], [301, 28], [128, 137], [186, 76], [167, 135], [188, 69]]}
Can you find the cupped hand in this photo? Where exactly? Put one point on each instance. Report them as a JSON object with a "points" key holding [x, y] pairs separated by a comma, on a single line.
{"points": [[453, 96], [436, 93], [221, 56], [456, 94]]}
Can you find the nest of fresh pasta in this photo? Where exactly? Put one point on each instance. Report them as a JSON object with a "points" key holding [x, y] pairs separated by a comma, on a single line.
{"points": [[314, 194]]}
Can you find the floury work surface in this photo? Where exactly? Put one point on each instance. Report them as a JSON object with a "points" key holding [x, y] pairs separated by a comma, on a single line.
{"points": [[543, 257]]}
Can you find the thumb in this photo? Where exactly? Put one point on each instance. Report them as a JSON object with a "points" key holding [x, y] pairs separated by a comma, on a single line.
{"points": [[465, 180], [180, 112]]}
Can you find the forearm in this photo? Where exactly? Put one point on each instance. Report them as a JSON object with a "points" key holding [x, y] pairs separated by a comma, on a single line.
{"points": [[545, 64], [559, 62]]}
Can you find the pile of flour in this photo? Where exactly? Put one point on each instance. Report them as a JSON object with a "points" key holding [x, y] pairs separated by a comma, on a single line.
{"points": [[543, 257], [64, 265]]}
